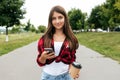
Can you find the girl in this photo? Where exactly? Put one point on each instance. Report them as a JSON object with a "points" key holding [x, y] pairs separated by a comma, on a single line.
{"points": [[60, 38]]}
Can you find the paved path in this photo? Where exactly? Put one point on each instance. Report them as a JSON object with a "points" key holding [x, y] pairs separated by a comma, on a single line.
{"points": [[20, 64], [96, 66]]}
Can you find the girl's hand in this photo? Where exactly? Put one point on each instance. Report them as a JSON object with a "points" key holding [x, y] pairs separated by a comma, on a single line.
{"points": [[50, 55], [45, 55], [77, 76]]}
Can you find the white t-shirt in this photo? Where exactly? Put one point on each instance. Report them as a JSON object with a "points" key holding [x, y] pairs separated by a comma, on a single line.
{"points": [[56, 68]]}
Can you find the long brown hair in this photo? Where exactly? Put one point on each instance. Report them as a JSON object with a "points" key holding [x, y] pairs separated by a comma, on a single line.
{"points": [[70, 37]]}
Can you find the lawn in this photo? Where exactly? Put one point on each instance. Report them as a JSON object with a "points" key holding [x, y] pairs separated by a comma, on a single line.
{"points": [[107, 44], [16, 41]]}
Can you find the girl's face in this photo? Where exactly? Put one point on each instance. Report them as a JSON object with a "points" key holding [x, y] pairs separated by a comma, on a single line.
{"points": [[58, 20]]}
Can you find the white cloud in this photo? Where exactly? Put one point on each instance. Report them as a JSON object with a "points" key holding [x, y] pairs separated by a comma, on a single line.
{"points": [[38, 10]]}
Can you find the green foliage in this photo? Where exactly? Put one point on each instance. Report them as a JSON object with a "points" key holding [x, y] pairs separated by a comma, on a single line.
{"points": [[117, 5], [27, 28], [107, 44], [32, 28], [16, 41], [117, 11], [106, 15], [11, 12], [41, 29], [96, 17], [76, 18], [15, 29]]}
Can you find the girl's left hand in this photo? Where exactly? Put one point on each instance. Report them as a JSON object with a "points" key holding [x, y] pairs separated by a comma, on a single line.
{"points": [[78, 75]]}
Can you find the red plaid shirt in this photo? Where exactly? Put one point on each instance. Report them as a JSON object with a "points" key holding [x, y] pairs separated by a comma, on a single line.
{"points": [[66, 56]]}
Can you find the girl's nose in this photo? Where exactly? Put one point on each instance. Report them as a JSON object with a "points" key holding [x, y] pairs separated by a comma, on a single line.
{"points": [[57, 20]]}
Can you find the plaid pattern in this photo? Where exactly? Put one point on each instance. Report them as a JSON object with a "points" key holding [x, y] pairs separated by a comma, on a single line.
{"points": [[66, 56]]}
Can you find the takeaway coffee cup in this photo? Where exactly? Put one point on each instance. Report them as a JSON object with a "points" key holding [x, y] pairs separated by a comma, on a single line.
{"points": [[75, 69]]}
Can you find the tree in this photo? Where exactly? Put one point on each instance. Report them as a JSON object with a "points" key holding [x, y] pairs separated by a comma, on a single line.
{"points": [[15, 29], [114, 9], [32, 29], [106, 15], [76, 18], [27, 28], [41, 29], [117, 12], [95, 17], [11, 11]]}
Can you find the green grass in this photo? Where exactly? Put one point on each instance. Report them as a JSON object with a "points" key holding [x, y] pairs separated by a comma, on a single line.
{"points": [[107, 44], [16, 41]]}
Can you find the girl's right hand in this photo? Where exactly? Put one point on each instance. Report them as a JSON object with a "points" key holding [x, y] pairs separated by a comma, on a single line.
{"points": [[45, 55]]}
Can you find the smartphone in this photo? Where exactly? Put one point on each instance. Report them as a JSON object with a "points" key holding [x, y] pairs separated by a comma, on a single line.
{"points": [[49, 50]]}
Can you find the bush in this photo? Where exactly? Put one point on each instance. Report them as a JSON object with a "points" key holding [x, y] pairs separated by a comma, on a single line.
{"points": [[41, 29]]}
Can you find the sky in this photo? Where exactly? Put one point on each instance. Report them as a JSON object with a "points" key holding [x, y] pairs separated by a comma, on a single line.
{"points": [[38, 10]]}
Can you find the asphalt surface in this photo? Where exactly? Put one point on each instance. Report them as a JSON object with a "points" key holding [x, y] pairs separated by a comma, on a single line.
{"points": [[20, 64]]}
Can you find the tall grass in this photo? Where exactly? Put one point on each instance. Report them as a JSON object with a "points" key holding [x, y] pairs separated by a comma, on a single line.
{"points": [[107, 44], [16, 41]]}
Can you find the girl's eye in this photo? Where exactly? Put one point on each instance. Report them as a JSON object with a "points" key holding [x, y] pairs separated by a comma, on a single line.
{"points": [[60, 17], [53, 18]]}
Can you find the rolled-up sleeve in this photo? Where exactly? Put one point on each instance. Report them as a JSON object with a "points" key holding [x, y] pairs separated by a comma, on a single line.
{"points": [[40, 50]]}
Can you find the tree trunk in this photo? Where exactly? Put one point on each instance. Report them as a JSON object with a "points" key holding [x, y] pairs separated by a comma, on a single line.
{"points": [[108, 29], [7, 35]]}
